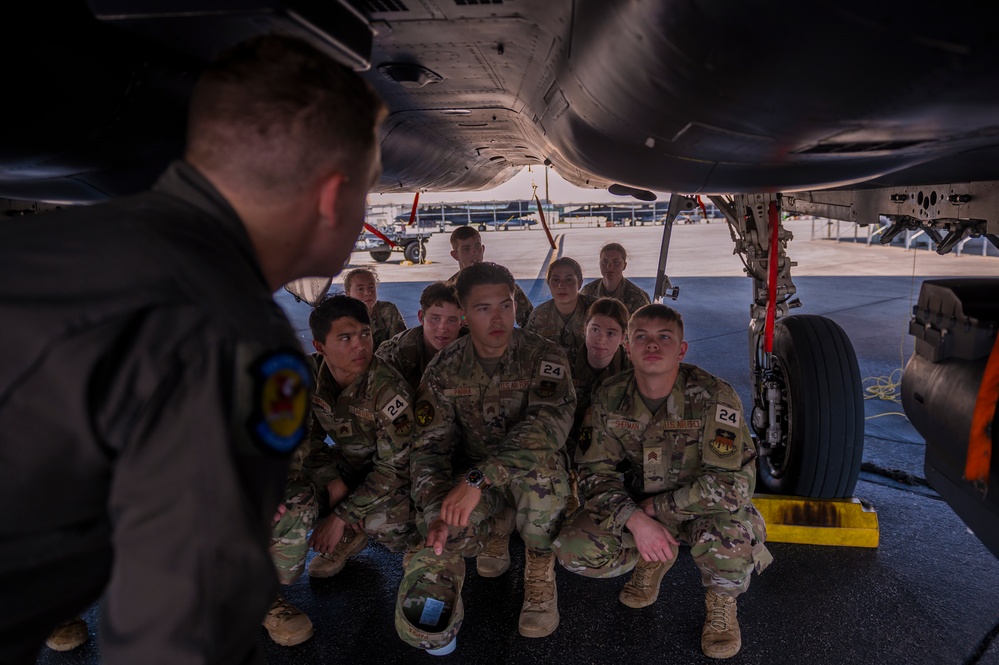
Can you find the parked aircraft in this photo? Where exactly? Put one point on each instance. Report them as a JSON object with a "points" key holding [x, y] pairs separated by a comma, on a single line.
{"points": [[847, 110], [479, 215]]}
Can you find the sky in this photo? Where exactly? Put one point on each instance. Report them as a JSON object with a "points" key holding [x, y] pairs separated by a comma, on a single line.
{"points": [[518, 187]]}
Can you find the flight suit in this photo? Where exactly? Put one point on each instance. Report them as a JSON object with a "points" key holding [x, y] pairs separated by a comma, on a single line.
{"points": [[694, 455], [408, 353], [371, 424], [151, 393], [524, 306], [386, 322], [632, 296], [546, 321]]}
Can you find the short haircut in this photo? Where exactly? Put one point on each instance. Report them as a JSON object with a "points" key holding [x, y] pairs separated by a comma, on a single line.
{"points": [[565, 262], [333, 307], [437, 294], [481, 274], [349, 276], [463, 233], [615, 247], [274, 115], [657, 312], [610, 307]]}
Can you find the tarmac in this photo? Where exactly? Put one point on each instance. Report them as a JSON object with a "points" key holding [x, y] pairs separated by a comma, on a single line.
{"points": [[925, 595]]}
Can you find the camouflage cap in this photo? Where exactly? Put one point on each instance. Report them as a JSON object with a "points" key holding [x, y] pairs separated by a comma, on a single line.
{"points": [[428, 609]]}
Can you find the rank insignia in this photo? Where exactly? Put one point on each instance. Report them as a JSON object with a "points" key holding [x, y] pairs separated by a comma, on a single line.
{"points": [[546, 389], [281, 387], [723, 444], [424, 413]]}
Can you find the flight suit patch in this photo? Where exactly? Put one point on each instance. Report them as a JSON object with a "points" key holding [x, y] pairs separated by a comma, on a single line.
{"points": [[546, 389], [281, 387], [424, 413]]}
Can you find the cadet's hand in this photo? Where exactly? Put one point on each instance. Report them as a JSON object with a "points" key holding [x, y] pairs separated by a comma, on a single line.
{"points": [[338, 491], [437, 536], [459, 504], [279, 513], [327, 533], [654, 541], [648, 506]]}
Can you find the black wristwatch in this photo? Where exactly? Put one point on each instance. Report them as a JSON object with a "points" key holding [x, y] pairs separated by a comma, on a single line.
{"points": [[474, 478]]}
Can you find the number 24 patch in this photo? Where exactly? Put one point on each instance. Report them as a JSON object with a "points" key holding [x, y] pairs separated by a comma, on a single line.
{"points": [[553, 370], [728, 415]]}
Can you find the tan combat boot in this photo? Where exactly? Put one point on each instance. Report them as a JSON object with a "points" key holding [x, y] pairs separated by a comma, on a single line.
{"points": [[721, 637], [494, 559], [643, 588], [68, 636], [286, 624], [539, 615], [328, 565]]}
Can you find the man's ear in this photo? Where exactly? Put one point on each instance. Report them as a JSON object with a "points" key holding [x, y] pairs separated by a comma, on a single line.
{"points": [[318, 347], [329, 193], [683, 350], [419, 316], [454, 255]]}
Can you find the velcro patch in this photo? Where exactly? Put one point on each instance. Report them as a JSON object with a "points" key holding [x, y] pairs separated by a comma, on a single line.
{"points": [[361, 413], [281, 386], [319, 402], [343, 428], [726, 415], [515, 385], [626, 424], [546, 389], [552, 370], [682, 424], [424, 413], [459, 392], [723, 444], [403, 425], [395, 407]]}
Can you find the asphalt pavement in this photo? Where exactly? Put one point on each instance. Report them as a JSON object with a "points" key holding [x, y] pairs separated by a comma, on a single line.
{"points": [[925, 595]]}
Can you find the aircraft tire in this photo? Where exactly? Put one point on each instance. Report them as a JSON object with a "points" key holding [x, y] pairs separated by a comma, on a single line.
{"points": [[412, 252], [822, 393], [381, 256]]}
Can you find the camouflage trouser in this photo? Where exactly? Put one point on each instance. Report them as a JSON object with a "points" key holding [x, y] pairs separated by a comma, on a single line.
{"points": [[537, 499], [392, 525], [726, 547]]}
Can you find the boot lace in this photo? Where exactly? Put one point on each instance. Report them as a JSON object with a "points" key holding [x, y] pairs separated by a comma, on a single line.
{"points": [[719, 613]]}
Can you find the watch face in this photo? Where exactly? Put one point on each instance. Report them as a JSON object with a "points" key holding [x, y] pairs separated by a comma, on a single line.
{"points": [[474, 478]]}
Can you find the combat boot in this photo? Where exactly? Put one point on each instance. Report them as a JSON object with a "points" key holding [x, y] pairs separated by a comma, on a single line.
{"points": [[328, 565], [68, 636], [643, 588], [721, 637], [494, 559], [286, 624], [539, 615]]}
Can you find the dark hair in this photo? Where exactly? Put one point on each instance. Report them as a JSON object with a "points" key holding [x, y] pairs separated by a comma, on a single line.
{"points": [[274, 114], [658, 312], [615, 247], [480, 274], [610, 307], [349, 276], [463, 233], [333, 307], [565, 261], [438, 293]]}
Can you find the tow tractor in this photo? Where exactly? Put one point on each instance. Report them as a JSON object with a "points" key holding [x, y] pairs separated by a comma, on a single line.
{"points": [[380, 243]]}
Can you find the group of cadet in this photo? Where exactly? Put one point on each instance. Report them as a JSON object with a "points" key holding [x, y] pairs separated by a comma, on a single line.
{"points": [[184, 413], [449, 436]]}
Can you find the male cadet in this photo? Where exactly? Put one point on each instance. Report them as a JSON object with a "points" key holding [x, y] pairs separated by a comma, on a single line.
{"points": [[613, 283], [678, 435], [492, 416], [467, 249], [148, 325], [360, 485], [411, 351]]}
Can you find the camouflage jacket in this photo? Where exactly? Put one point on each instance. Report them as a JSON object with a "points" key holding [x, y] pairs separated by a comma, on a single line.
{"points": [[386, 322], [505, 425], [586, 380], [630, 294], [407, 352], [370, 422], [524, 306], [695, 455], [546, 321]]}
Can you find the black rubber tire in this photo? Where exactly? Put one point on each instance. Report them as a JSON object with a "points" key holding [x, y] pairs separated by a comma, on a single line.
{"points": [[381, 256], [412, 252], [823, 394]]}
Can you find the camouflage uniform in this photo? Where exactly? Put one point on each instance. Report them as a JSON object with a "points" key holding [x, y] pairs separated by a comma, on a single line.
{"points": [[408, 353], [695, 456], [627, 292], [371, 423], [546, 321], [586, 380], [386, 322], [524, 306]]}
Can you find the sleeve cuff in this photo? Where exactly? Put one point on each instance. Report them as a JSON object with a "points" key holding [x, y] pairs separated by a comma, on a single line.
{"points": [[495, 472]]}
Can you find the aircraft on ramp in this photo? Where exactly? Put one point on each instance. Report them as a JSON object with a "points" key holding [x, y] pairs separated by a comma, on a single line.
{"points": [[853, 110]]}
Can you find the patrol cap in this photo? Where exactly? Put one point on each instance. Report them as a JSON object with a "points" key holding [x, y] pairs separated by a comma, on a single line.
{"points": [[428, 609]]}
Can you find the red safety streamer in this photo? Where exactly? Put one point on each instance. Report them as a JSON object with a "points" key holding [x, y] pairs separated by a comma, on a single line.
{"points": [[412, 213], [379, 234], [768, 335], [544, 224]]}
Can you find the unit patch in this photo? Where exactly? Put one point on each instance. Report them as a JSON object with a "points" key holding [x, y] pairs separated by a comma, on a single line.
{"points": [[546, 389], [403, 425], [281, 388], [424, 413], [723, 444]]}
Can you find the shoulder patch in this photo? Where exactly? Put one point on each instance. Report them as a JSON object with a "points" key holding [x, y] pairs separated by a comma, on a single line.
{"points": [[395, 407], [281, 382], [546, 389], [552, 370], [424, 413], [726, 415], [723, 443]]}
